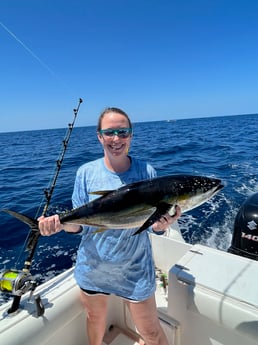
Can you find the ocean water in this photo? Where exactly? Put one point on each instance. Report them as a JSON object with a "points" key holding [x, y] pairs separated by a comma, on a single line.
{"points": [[222, 147]]}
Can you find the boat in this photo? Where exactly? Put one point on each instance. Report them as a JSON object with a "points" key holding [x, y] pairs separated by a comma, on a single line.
{"points": [[204, 296]]}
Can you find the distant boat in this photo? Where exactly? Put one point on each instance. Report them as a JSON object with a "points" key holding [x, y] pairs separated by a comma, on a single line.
{"points": [[170, 120]]}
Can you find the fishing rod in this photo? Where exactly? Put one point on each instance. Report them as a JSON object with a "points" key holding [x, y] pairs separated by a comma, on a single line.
{"points": [[18, 282]]}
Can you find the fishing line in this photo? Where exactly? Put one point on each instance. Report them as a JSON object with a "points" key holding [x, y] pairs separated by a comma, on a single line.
{"points": [[42, 63]]}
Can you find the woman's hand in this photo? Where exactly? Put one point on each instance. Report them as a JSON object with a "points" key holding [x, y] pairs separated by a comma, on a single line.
{"points": [[165, 221], [49, 225], [52, 225]]}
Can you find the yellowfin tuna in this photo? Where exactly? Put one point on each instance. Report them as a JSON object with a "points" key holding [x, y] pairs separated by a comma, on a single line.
{"points": [[139, 204]]}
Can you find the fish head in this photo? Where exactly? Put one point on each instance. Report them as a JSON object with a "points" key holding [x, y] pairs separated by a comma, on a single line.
{"points": [[189, 191]]}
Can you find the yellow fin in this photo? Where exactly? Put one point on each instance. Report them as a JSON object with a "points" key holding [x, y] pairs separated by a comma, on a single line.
{"points": [[100, 230], [101, 192]]}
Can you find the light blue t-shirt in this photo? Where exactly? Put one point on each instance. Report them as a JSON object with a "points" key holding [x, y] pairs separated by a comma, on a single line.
{"points": [[113, 261]]}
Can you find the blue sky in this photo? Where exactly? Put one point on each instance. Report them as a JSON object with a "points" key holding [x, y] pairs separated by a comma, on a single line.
{"points": [[156, 59]]}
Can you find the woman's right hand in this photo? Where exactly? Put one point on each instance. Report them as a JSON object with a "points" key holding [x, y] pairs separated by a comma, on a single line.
{"points": [[49, 225]]}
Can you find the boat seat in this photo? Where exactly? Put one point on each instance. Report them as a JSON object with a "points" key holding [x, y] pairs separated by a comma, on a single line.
{"points": [[213, 285]]}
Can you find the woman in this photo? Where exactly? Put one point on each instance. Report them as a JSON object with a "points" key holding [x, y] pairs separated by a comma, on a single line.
{"points": [[114, 261]]}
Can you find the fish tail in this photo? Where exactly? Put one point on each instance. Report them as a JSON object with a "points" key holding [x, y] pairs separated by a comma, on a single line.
{"points": [[32, 223]]}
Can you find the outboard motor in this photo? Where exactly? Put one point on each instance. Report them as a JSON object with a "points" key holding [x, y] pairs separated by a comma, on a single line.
{"points": [[245, 236]]}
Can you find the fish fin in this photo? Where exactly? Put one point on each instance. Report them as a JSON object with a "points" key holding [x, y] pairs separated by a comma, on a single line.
{"points": [[101, 192], [98, 231], [32, 223], [161, 210]]}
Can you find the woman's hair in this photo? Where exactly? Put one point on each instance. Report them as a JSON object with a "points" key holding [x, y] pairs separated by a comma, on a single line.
{"points": [[112, 110]]}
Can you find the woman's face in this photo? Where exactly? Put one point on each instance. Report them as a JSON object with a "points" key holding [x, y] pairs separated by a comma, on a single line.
{"points": [[117, 142]]}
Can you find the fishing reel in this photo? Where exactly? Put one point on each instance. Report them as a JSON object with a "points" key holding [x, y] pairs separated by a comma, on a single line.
{"points": [[17, 282]]}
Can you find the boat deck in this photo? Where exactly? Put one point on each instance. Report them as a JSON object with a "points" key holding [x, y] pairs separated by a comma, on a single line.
{"points": [[117, 336]]}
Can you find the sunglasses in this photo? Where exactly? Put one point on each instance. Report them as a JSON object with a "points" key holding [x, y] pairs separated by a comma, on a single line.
{"points": [[120, 132]]}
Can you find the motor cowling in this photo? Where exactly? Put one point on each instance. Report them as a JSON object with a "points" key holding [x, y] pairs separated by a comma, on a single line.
{"points": [[245, 235]]}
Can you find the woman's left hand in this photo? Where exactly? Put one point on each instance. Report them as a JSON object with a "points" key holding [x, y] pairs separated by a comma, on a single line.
{"points": [[163, 223]]}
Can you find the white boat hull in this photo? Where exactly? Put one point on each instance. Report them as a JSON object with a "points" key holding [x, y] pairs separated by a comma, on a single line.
{"points": [[211, 299]]}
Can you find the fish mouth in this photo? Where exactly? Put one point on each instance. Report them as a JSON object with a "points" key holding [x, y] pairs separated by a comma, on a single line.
{"points": [[219, 186], [213, 191]]}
